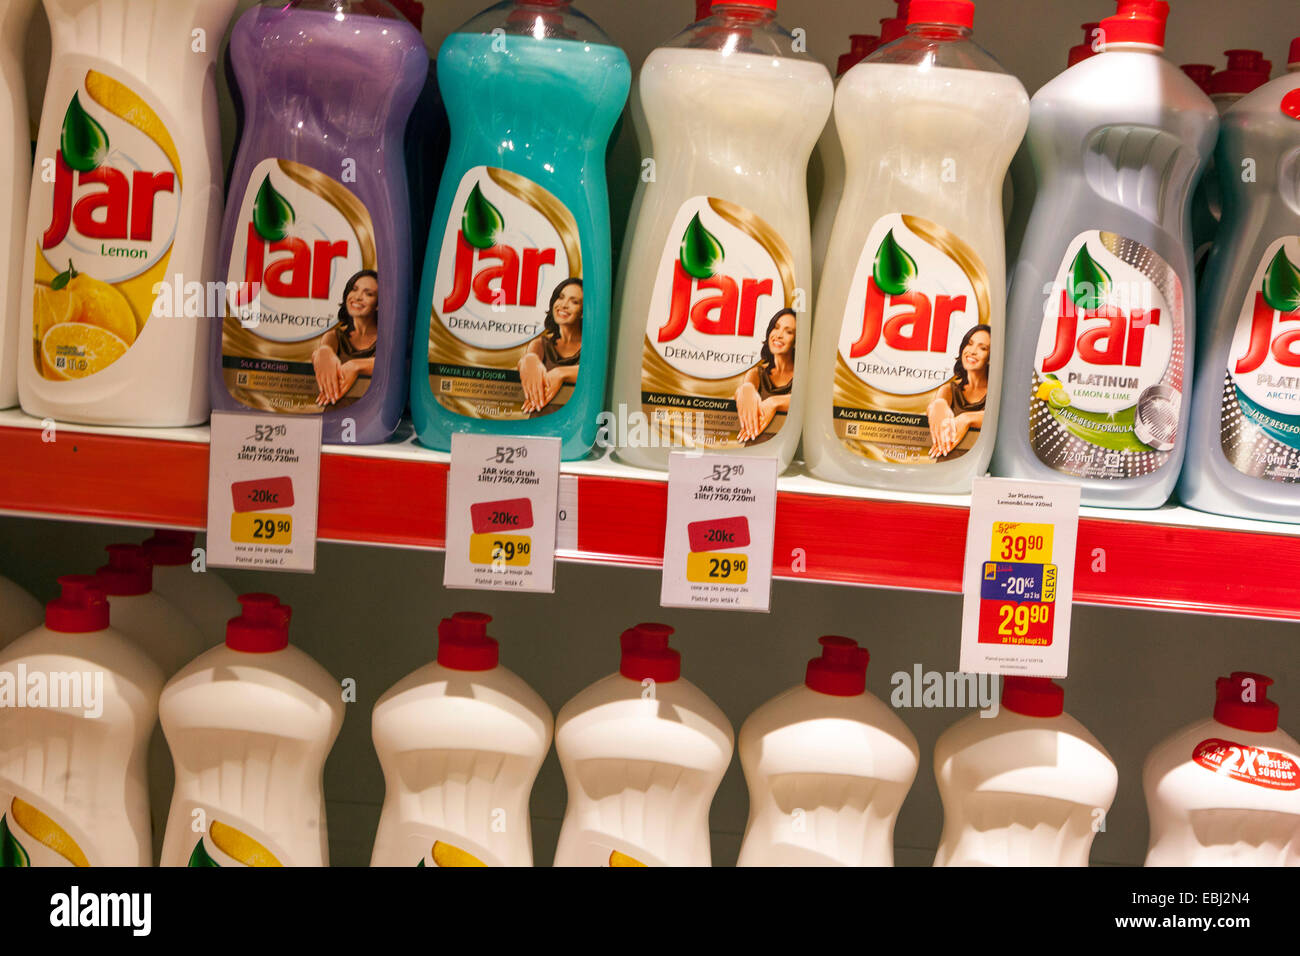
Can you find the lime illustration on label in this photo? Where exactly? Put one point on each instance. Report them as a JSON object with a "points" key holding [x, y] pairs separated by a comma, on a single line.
{"points": [[717, 366], [505, 334], [915, 346], [1107, 388], [301, 329], [1260, 417], [112, 211], [30, 837], [225, 845]]}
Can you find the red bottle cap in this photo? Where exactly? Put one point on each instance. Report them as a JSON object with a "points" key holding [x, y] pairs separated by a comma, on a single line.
{"points": [[1084, 50], [957, 13], [702, 8], [1137, 21], [765, 4], [861, 46], [262, 626], [1243, 702], [646, 654], [413, 10], [1293, 55], [168, 549], [1033, 696], [81, 608], [129, 571], [841, 671], [464, 645], [1200, 74], [1246, 72]]}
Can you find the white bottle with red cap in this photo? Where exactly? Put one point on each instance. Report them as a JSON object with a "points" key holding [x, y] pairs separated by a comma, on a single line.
{"points": [[907, 349], [19, 611], [77, 703], [249, 724], [1101, 320], [1029, 786], [202, 596], [460, 741], [716, 286], [643, 752], [1226, 791], [161, 630], [828, 766]]}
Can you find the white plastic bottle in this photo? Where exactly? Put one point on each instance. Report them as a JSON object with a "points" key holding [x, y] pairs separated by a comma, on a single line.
{"points": [[1026, 787], [1100, 321], [1226, 791], [19, 612], [204, 597], [15, 181], [829, 158], [460, 741], [156, 626], [123, 220], [828, 766], [643, 752], [72, 760], [717, 285], [249, 725], [907, 352]]}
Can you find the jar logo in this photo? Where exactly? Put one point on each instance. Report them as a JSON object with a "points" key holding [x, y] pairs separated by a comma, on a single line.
{"points": [[1276, 303], [726, 307], [1260, 412], [299, 236], [93, 197], [481, 261]]}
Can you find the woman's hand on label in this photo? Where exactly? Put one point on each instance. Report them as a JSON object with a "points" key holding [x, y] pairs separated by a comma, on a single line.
{"points": [[533, 378], [748, 410], [329, 375]]}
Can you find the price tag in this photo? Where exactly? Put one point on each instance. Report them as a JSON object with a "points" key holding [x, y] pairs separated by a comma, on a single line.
{"points": [[718, 540], [1016, 615], [502, 511], [263, 491]]}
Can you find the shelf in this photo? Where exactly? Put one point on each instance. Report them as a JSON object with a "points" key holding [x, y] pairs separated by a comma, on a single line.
{"points": [[395, 495]]}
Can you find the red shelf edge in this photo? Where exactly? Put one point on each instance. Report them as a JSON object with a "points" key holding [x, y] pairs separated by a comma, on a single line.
{"points": [[819, 538]]}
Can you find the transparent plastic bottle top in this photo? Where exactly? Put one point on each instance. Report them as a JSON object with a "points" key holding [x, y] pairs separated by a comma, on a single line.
{"points": [[908, 346], [512, 321], [715, 285]]}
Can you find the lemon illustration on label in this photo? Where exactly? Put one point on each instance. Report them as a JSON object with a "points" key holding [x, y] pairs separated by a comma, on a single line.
{"points": [[44, 830], [622, 859], [1054, 393], [240, 846], [444, 854]]}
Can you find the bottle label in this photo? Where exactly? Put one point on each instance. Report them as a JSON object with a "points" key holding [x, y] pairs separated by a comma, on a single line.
{"points": [[1107, 387], [915, 346], [420, 845], [300, 331], [505, 336], [32, 834], [226, 840], [1260, 422], [717, 367], [1271, 769], [105, 220]]}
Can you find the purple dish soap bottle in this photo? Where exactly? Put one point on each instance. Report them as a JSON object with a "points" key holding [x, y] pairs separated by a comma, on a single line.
{"points": [[316, 240]]}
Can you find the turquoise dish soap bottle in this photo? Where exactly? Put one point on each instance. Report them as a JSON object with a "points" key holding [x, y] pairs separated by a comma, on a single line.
{"points": [[515, 299]]}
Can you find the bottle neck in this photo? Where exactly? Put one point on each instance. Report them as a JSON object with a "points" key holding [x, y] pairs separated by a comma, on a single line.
{"points": [[743, 13], [1113, 46], [939, 31]]}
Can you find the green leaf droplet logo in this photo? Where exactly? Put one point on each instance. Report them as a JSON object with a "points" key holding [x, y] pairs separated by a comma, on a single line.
{"points": [[701, 252], [1087, 281], [481, 222], [272, 214], [83, 142], [11, 851], [1282, 284], [200, 856], [893, 269]]}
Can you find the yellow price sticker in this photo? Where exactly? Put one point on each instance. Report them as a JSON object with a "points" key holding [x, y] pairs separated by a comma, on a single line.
{"points": [[255, 528], [510, 550], [1021, 542], [715, 567]]}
